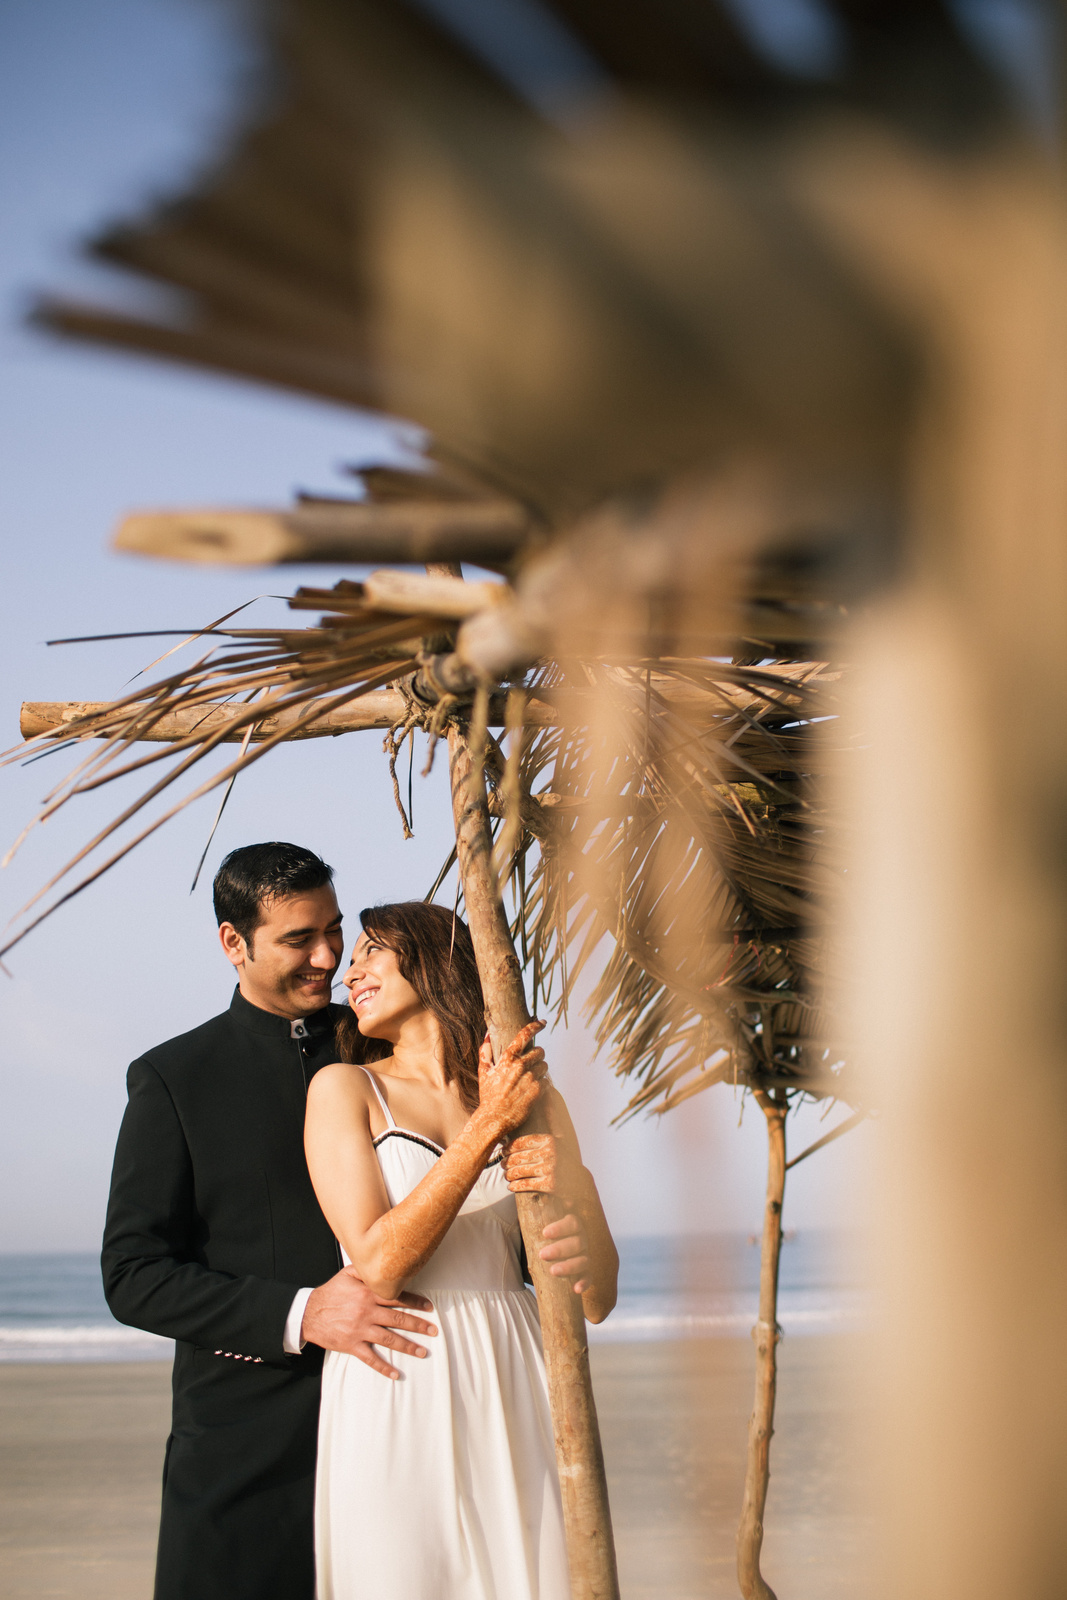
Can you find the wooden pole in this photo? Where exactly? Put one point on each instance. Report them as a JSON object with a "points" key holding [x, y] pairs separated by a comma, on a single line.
{"points": [[378, 708], [587, 1518], [766, 1337], [486, 531], [384, 708]]}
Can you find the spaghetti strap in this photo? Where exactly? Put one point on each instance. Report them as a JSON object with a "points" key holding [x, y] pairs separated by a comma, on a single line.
{"points": [[390, 1121]]}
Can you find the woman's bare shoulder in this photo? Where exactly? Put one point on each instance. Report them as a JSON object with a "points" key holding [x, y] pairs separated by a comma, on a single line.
{"points": [[340, 1081]]}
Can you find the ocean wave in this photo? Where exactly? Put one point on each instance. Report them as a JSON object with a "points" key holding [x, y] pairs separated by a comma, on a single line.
{"points": [[636, 1319], [89, 1342], [86, 1335], [630, 1324]]}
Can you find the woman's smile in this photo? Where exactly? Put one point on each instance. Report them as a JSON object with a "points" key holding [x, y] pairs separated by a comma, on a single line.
{"points": [[362, 995], [378, 992]]}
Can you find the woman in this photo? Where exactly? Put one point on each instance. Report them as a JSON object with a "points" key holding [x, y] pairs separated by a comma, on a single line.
{"points": [[442, 1486]]}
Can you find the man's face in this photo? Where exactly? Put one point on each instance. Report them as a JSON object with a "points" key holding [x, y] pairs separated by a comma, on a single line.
{"points": [[295, 951]]}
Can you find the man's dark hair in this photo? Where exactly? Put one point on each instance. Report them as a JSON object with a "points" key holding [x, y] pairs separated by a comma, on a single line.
{"points": [[251, 877]]}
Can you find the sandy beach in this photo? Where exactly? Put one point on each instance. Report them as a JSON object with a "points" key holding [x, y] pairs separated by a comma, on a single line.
{"points": [[81, 1448]]}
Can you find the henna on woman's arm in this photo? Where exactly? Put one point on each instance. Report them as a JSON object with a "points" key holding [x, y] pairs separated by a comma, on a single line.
{"points": [[403, 1239], [409, 1234]]}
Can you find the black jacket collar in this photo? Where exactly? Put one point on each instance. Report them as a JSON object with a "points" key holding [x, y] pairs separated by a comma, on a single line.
{"points": [[266, 1023]]}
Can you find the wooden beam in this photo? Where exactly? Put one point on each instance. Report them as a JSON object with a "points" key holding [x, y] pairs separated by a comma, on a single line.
{"points": [[430, 595], [586, 1514], [382, 708], [377, 710], [487, 532], [579, 1456]]}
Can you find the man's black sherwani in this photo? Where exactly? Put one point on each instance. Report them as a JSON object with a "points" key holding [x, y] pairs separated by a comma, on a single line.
{"points": [[212, 1227]]}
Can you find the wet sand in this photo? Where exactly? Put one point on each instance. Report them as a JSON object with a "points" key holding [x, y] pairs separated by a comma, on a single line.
{"points": [[81, 1450], [674, 1420]]}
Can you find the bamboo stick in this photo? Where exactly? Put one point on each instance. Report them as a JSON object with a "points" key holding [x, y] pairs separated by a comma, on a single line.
{"points": [[385, 707], [444, 481], [381, 708], [766, 1336], [828, 1138], [433, 594], [485, 531], [587, 1517]]}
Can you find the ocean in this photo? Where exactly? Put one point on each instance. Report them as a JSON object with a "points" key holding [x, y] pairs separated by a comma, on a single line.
{"points": [[680, 1286]]}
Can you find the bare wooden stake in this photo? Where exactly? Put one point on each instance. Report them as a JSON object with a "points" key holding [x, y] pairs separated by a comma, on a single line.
{"points": [[766, 1336], [587, 1518]]}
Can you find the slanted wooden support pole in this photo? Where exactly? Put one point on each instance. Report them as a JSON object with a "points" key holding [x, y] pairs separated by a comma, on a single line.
{"points": [[590, 1546], [766, 1336]]}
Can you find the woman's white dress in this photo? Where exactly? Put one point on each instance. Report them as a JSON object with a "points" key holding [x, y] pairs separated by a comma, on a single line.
{"points": [[443, 1485]]}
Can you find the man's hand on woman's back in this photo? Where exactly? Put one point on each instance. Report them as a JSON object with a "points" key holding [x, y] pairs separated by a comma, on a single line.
{"points": [[343, 1314]]}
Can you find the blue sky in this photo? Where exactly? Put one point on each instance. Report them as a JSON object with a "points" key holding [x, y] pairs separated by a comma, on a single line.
{"points": [[101, 106]]}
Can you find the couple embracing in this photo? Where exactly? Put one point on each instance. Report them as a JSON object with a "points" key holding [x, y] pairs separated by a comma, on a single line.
{"points": [[317, 1204]]}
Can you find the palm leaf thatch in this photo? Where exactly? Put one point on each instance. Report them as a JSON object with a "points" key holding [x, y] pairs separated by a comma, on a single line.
{"points": [[263, 686], [670, 810], [585, 286], [584, 290], [689, 835]]}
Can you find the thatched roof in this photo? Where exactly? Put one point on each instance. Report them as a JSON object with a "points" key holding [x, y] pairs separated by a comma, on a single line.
{"points": [[675, 808], [662, 399], [571, 305]]}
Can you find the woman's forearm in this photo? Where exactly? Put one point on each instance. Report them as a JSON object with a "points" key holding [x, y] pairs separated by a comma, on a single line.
{"points": [[577, 1189], [599, 1299], [552, 1164], [404, 1238]]}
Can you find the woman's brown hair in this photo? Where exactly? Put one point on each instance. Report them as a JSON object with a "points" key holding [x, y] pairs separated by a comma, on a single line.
{"points": [[434, 952]]}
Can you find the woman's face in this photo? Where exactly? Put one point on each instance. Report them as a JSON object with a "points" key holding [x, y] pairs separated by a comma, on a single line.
{"points": [[381, 997]]}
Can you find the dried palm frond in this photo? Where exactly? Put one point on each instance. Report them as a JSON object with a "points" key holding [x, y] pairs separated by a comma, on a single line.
{"points": [[272, 682], [668, 810], [677, 818], [579, 310], [685, 830], [569, 303], [577, 307]]}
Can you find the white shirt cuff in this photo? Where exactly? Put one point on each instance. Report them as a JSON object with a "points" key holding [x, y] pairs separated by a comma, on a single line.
{"points": [[292, 1343]]}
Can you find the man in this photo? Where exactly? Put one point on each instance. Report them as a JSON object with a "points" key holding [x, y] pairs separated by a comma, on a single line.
{"points": [[214, 1236]]}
